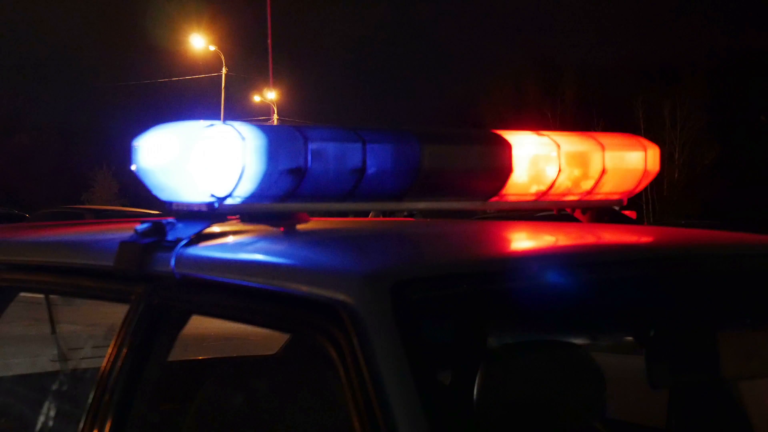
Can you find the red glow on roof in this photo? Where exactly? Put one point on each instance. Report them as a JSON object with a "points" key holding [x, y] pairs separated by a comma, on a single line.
{"points": [[556, 236], [361, 219], [563, 166], [51, 230], [90, 222]]}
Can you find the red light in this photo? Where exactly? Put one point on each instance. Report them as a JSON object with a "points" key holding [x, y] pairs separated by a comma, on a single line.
{"points": [[652, 165], [581, 166], [535, 161], [563, 166], [630, 213], [625, 165]]}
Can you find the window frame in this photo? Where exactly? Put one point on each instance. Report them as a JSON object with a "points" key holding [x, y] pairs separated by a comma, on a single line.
{"points": [[165, 312], [84, 284], [152, 297]]}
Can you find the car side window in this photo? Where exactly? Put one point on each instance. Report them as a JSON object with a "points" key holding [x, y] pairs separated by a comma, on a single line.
{"points": [[51, 350], [223, 375], [630, 400]]}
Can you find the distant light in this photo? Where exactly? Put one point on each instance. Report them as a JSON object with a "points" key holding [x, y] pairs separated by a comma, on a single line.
{"points": [[270, 94], [197, 41], [212, 47], [257, 98], [133, 167]]}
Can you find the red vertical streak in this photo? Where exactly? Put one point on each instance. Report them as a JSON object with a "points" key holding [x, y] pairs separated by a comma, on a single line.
{"points": [[269, 41]]}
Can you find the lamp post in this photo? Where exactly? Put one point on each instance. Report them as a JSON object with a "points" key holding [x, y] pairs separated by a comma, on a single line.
{"points": [[270, 97], [199, 43]]}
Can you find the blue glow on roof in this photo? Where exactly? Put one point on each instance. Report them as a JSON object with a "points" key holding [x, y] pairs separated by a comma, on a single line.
{"points": [[247, 256], [200, 161]]}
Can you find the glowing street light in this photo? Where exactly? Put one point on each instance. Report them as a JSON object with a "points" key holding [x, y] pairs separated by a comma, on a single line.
{"points": [[270, 97], [199, 42]]}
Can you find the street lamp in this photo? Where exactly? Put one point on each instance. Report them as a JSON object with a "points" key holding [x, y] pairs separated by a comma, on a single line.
{"points": [[198, 42], [270, 97]]}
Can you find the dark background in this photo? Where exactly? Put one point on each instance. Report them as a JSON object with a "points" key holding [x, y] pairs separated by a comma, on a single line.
{"points": [[691, 76]]}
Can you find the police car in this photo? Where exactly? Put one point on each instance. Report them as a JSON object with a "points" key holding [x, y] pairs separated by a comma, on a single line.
{"points": [[242, 312]]}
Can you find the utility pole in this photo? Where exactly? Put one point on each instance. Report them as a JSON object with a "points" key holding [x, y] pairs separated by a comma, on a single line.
{"points": [[269, 45]]}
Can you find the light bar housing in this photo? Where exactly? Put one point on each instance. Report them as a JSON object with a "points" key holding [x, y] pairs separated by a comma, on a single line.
{"points": [[236, 163]]}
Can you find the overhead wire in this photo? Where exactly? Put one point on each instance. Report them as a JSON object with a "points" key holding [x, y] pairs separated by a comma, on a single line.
{"points": [[160, 80], [304, 121], [205, 76], [254, 118], [300, 121], [241, 75], [284, 118]]}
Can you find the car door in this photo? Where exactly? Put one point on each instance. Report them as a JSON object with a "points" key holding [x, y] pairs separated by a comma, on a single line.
{"points": [[207, 356]]}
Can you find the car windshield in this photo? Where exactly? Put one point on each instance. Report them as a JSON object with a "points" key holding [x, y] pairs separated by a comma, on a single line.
{"points": [[554, 349]]}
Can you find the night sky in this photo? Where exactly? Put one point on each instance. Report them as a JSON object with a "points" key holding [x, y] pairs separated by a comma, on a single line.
{"points": [[582, 65]]}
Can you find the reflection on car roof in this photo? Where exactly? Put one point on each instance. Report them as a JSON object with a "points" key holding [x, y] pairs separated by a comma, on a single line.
{"points": [[364, 247]]}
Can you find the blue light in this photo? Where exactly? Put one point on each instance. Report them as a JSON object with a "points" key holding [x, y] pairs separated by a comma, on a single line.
{"points": [[201, 161], [335, 164], [392, 164], [287, 156], [198, 162]]}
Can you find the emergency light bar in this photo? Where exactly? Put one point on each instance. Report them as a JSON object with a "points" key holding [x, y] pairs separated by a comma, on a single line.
{"points": [[213, 163]]}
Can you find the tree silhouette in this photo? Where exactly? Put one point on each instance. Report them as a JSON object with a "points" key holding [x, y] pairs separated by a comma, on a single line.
{"points": [[104, 188], [676, 121]]}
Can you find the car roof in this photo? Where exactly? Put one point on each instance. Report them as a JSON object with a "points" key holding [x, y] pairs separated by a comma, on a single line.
{"points": [[337, 257], [103, 208], [11, 211]]}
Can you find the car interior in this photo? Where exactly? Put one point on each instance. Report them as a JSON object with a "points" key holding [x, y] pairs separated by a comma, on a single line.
{"points": [[298, 388], [488, 368]]}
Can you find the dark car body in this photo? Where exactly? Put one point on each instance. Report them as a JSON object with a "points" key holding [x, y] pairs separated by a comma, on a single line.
{"points": [[12, 216], [79, 213], [408, 309]]}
